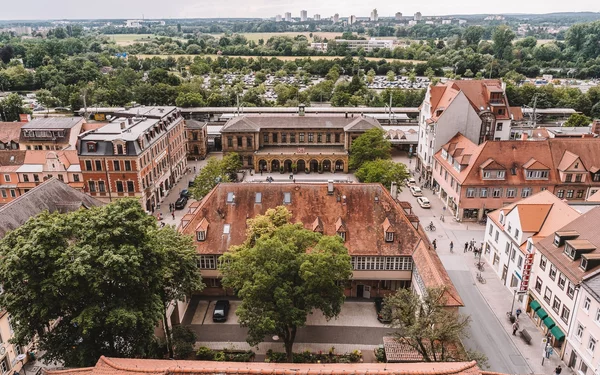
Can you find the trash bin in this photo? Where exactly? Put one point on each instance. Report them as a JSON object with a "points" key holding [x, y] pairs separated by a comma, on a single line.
{"points": [[31, 356]]}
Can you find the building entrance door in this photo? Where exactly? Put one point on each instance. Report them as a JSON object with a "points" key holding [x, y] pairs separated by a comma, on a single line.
{"points": [[367, 292], [504, 274], [360, 289]]}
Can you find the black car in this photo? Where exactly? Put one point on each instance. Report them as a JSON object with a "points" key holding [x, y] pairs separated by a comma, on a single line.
{"points": [[180, 203], [221, 311], [382, 315], [185, 193]]}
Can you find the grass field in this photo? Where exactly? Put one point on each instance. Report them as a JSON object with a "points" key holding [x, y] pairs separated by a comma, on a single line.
{"points": [[284, 58], [129, 39], [265, 36]]}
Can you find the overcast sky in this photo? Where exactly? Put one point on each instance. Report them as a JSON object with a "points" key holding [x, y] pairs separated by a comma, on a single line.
{"points": [[70, 9]]}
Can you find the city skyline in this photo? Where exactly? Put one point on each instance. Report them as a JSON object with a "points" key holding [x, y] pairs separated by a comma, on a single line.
{"points": [[113, 9]]}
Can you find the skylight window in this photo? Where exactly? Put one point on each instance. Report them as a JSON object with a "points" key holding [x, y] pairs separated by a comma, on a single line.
{"points": [[287, 198], [226, 228], [258, 198]]}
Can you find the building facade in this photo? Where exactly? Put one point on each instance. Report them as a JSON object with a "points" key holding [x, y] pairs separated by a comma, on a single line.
{"points": [[142, 153], [197, 139], [388, 247], [562, 261], [50, 133], [10, 161], [478, 109], [582, 353], [294, 143], [473, 180], [513, 231]]}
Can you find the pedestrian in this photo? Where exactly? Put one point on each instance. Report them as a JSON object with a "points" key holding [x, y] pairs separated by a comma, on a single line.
{"points": [[194, 169], [419, 179], [515, 328], [558, 370], [173, 214], [434, 243], [451, 246], [466, 246], [518, 312]]}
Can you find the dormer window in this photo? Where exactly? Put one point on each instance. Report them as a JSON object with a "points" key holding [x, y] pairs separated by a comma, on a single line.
{"points": [[536, 175], [120, 150], [389, 236], [487, 174], [500, 174], [201, 235], [556, 240], [584, 264], [91, 146], [201, 230], [569, 250], [342, 235], [501, 218], [230, 197]]}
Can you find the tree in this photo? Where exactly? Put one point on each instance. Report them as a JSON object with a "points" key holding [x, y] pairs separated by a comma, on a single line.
{"points": [[100, 276], [11, 107], [6, 53], [190, 99], [279, 282], [577, 120], [383, 171], [428, 327], [502, 37], [46, 99], [214, 172], [368, 146]]}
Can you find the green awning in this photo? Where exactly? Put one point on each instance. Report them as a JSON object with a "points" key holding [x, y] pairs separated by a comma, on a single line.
{"points": [[557, 333], [542, 313], [548, 322], [535, 305]]}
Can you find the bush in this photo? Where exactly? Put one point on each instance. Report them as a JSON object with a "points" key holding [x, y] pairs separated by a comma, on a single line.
{"points": [[219, 356], [309, 357], [183, 342], [380, 355], [204, 353]]}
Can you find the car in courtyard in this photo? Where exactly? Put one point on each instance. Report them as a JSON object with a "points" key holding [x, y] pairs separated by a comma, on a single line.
{"points": [[423, 202], [410, 182], [185, 193], [180, 203], [382, 314], [416, 191], [221, 310]]}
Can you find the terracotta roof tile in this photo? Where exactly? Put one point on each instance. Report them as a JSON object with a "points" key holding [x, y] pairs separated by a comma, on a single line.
{"points": [[587, 149], [126, 366], [10, 131]]}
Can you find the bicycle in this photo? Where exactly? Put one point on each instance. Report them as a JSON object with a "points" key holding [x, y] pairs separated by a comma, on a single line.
{"points": [[480, 278], [430, 227], [480, 266]]}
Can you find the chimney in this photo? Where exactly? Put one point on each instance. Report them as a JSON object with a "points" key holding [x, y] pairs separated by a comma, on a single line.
{"points": [[301, 109], [329, 187], [161, 110], [524, 136], [596, 127], [130, 121], [343, 200], [394, 190], [123, 125]]}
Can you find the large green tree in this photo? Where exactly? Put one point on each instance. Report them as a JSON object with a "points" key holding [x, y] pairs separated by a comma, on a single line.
{"points": [[369, 146], [383, 171], [577, 120], [216, 171], [93, 282], [282, 273], [11, 107], [427, 326]]}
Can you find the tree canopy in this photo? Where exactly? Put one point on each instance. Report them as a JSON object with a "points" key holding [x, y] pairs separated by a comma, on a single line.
{"points": [[369, 146], [577, 120], [282, 273], [382, 171], [216, 171], [428, 327], [94, 281]]}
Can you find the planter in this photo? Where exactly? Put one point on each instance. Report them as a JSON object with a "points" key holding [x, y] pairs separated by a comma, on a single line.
{"points": [[307, 170]]}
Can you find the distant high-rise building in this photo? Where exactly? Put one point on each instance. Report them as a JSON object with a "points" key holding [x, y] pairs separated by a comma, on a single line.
{"points": [[336, 18], [374, 16], [288, 17], [352, 20], [398, 16], [418, 16], [278, 18], [317, 17], [303, 15]]}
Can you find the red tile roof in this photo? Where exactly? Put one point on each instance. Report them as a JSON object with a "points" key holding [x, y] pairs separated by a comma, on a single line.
{"points": [[128, 366], [10, 131]]}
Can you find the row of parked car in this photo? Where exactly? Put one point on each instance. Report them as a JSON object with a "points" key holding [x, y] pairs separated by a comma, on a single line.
{"points": [[417, 192]]}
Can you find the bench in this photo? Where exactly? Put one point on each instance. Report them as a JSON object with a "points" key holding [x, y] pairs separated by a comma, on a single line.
{"points": [[525, 336]]}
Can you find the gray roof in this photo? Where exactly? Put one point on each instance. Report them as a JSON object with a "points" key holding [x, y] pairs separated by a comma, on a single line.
{"points": [[151, 112], [52, 195], [592, 285], [254, 123], [53, 123], [193, 124]]}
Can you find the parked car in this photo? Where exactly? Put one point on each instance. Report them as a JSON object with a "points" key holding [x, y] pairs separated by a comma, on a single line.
{"points": [[180, 203], [416, 191], [191, 184], [185, 193], [410, 182], [221, 310], [423, 202], [379, 307]]}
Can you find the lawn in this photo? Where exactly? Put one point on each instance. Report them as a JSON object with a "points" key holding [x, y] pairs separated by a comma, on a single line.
{"points": [[284, 58], [265, 36], [129, 39]]}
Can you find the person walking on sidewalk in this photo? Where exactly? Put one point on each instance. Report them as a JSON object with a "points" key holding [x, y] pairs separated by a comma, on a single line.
{"points": [[515, 328], [434, 243], [173, 214], [558, 370], [451, 246], [466, 246]]}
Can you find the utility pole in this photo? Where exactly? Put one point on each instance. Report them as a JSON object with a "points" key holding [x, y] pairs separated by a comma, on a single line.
{"points": [[534, 119]]}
